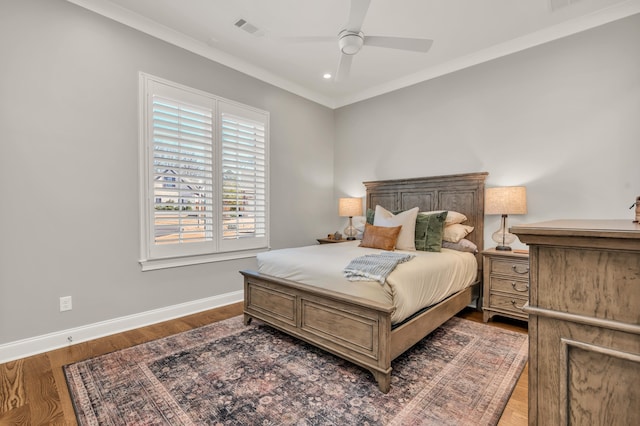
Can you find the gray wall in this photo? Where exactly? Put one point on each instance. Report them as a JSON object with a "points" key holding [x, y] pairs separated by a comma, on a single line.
{"points": [[69, 168], [563, 119]]}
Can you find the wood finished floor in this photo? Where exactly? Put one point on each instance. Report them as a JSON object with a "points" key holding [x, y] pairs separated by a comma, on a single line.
{"points": [[33, 390]]}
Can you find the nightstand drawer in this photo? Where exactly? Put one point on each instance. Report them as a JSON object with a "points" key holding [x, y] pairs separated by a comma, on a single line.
{"points": [[510, 267], [508, 304], [519, 288]]}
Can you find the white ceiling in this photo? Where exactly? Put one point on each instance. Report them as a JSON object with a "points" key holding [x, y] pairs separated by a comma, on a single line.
{"points": [[465, 33]]}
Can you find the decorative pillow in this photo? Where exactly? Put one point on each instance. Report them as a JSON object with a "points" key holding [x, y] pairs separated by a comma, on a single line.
{"points": [[453, 217], [462, 245], [429, 229], [380, 237], [405, 219], [358, 223], [370, 216], [454, 233]]}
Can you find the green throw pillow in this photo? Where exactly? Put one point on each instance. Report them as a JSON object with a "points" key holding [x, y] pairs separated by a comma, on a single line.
{"points": [[370, 214], [429, 230]]}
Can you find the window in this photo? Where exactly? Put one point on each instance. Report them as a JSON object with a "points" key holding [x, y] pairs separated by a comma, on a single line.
{"points": [[204, 176]]}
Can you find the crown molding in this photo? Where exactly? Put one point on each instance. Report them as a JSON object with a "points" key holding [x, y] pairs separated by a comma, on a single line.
{"points": [[164, 33], [537, 38], [564, 29]]}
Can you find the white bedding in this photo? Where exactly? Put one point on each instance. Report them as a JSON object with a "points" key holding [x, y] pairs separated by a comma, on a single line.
{"points": [[423, 281]]}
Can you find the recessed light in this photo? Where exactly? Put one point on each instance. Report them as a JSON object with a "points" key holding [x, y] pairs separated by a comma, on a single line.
{"points": [[326, 76]]}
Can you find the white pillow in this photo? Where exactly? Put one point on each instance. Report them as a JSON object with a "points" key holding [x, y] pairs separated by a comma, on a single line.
{"points": [[406, 219], [454, 233], [358, 223], [453, 217]]}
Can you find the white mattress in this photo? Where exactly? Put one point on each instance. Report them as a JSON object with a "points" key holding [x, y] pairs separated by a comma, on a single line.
{"points": [[421, 282]]}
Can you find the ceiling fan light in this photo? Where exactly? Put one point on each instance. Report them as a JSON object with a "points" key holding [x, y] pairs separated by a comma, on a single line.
{"points": [[350, 43]]}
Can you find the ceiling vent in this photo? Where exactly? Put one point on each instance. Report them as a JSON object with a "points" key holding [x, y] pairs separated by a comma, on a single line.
{"points": [[250, 28]]}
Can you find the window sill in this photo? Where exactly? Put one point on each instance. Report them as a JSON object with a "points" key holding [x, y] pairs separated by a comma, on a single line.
{"points": [[174, 262]]}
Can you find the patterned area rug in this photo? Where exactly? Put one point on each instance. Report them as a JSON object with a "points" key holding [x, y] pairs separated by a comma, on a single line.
{"points": [[230, 374]]}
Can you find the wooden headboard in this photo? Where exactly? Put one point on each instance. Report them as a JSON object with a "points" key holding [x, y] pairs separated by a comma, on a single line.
{"points": [[463, 193]]}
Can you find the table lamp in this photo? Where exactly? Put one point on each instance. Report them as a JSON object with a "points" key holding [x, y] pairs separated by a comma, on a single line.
{"points": [[350, 207], [505, 200]]}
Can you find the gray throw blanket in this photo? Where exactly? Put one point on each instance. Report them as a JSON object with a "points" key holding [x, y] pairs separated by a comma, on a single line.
{"points": [[375, 267]]}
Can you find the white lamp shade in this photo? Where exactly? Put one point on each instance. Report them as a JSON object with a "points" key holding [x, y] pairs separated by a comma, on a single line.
{"points": [[506, 200], [350, 207]]}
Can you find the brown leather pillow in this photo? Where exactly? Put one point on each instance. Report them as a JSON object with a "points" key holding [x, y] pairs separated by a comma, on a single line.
{"points": [[380, 237]]}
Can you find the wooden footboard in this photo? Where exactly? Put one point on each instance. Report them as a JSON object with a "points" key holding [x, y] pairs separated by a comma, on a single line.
{"points": [[354, 329]]}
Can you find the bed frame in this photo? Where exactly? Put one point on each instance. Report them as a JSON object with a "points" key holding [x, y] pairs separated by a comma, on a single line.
{"points": [[360, 330]]}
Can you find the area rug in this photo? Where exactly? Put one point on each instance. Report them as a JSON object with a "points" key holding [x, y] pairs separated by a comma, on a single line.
{"points": [[227, 373]]}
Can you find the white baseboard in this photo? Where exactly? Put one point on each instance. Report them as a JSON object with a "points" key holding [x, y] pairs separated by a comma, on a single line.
{"points": [[59, 339]]}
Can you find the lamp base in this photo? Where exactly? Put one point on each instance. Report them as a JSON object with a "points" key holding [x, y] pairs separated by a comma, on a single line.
{"points": [[350, 231], [502, 237]]}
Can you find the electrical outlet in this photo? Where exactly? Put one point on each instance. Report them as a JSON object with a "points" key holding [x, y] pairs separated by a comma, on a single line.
{"points": [[65, 303]]}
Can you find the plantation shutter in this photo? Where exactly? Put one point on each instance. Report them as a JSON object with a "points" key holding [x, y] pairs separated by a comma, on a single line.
{"points": [[244, 178], [183, 203], [204, 176]]}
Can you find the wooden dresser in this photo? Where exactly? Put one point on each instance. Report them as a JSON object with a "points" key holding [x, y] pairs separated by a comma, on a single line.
{"points": [[584, 322]]}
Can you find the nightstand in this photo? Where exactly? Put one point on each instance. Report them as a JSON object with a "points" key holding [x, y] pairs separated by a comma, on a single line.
{"points": [[331, 240], [505, 284]]}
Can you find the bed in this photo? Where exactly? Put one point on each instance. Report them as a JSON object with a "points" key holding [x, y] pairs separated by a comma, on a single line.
{"points": [[361, 329]]}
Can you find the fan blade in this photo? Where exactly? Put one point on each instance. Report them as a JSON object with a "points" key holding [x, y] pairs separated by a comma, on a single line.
{"points": [[344, 66], [413, 44], [357, 13]]}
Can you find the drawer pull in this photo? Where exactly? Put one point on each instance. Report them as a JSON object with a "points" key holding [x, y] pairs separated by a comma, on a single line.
{"points": [[513, 302], [522, 271], [514, 284]]}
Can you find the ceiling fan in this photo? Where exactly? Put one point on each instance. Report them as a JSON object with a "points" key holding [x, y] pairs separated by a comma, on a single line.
{"points": [[351, 39]]}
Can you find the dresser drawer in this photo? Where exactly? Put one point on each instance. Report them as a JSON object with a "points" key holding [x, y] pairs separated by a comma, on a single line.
{"points": [[508, 304], [517, 287], [510, 267]]}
